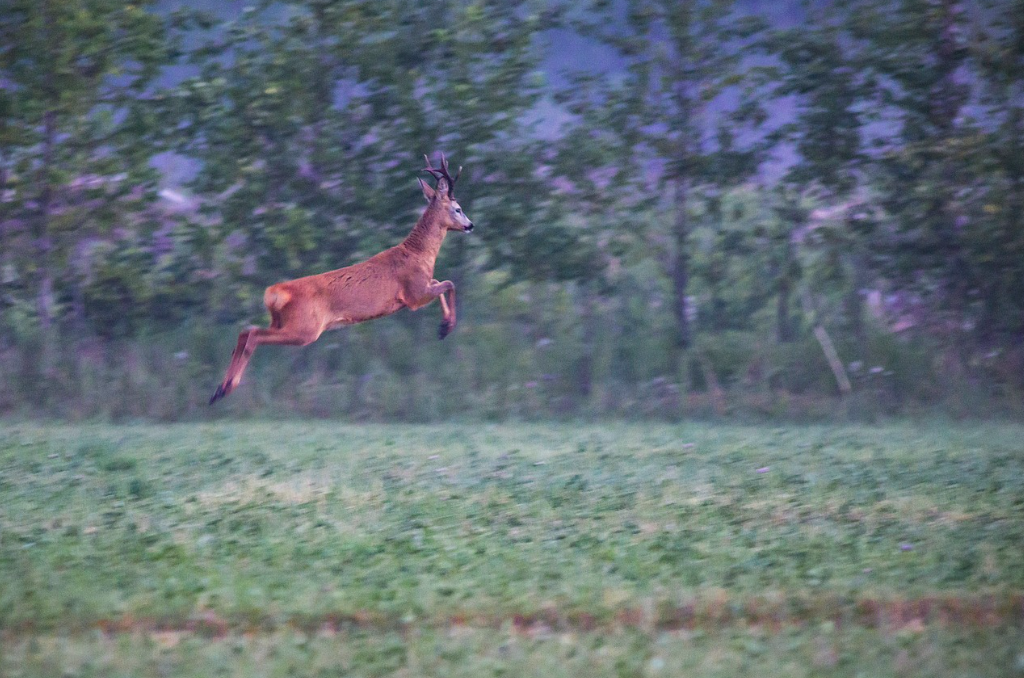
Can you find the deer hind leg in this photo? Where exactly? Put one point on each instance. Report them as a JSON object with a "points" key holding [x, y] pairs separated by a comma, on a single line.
{"points": [[247, 343]]}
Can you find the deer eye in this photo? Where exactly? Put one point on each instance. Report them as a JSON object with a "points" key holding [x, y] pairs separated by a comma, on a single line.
{"points": [[458, 210]]}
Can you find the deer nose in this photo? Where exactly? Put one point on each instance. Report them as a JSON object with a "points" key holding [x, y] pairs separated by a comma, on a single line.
{"points": [[469, 227]]}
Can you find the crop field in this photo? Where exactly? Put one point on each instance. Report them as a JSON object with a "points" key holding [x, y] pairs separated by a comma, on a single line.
{"points": [[316, 549]]}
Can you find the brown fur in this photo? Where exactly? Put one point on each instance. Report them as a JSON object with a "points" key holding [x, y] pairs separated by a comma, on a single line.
{"points": [[400, 277]]}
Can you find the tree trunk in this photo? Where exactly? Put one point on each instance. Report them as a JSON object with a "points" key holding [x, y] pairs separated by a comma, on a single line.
{"points": [[44, 246], [788, 278], [681, 276], [783, 324], [854, 303], [946, 100], [714, 386], [5, 248], [585, 363], [834, 362]]}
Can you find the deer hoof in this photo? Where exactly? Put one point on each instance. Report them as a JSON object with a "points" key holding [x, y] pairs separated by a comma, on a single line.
{"points": [[444, 329], [218, 394]]}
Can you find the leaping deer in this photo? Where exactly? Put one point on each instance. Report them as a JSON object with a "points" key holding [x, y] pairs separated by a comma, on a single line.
{"points": [[400, 277]]}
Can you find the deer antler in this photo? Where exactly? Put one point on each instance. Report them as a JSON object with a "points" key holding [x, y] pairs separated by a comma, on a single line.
{"points": [[443, 173]]}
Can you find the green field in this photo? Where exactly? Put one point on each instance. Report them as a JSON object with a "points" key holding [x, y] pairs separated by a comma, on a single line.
{"points": [[314, 549]]}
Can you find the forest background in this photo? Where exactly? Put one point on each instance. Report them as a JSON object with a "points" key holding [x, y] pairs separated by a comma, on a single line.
{"points": [[753, 209]]}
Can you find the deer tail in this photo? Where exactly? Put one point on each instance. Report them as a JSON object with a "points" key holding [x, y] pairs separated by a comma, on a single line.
{"points": [[276, 298]]}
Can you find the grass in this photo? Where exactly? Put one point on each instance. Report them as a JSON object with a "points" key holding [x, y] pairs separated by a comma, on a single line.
{"points": [[620, 550]]}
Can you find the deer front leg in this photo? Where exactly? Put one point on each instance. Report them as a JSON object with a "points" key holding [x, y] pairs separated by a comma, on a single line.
{"points": [[435, 290], [447, 306]]}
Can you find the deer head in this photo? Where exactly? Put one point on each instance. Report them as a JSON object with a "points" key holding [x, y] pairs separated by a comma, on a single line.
{"points": [[442, 198]]}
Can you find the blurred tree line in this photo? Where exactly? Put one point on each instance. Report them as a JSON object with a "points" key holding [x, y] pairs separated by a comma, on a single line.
{"points": [[723, 215]]}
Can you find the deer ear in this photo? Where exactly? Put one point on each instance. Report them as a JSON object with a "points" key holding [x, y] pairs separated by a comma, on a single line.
{"points": [[428, 192]]}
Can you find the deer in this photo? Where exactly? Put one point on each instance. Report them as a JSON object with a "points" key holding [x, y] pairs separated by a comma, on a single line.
{"points": [[399, 277]]}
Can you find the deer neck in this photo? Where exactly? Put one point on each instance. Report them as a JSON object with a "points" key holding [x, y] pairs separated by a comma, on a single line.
{"points": [[426, 236]]}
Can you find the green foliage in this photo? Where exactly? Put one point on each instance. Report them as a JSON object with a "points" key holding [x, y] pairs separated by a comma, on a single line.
{"points": [[824, 68], [117, 283], [606, 242], [78, 134], [943, 168]]}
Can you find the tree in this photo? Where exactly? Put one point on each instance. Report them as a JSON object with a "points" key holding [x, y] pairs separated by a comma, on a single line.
{"points": [[998, 50], [76, 75], [821, 65], [927, 163], [682, 61]]}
